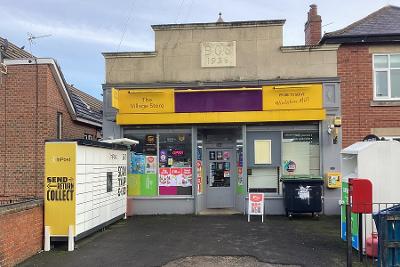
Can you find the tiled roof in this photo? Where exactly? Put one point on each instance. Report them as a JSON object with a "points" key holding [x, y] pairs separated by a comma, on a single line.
{"points": [[13, 51], [86, 106], [385, 21]]}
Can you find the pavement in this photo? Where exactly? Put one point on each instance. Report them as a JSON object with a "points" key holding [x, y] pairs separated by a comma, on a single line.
{"points": [[188, 240]]}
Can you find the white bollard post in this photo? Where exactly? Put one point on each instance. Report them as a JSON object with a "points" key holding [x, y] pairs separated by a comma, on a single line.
{"points": [[47, 238], [71, 244]]}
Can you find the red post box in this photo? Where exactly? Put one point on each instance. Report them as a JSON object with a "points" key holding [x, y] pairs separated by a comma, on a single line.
{"points": [[360, 192]]}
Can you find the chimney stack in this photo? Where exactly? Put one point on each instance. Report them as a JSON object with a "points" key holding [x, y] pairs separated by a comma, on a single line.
{"points": [[312, 28]]}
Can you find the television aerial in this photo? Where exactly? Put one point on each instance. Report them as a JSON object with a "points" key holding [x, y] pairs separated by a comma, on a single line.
{"points": [[32, 37]]}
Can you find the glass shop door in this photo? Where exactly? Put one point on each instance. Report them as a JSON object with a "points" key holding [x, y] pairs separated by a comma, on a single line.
{"points": [[220, 178]]}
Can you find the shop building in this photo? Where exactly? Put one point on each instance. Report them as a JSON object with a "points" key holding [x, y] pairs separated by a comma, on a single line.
{"points": [[369, 70], [37, 104], [222, 109]]}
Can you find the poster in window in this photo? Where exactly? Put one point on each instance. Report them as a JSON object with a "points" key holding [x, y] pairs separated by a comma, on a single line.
{"points": [[138, 164], [186, 178], [165, 177], [150, 144], [212, 155], [219, 155], [151, 165], [163, 156], [227, 166], [199, 171], [226, 155], [176, 175]]}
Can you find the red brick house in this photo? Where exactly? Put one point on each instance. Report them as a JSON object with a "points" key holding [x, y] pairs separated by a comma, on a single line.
{"points": [[369, 69], [37, 104]]}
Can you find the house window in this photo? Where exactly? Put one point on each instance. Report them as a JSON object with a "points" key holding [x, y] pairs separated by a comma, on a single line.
{"points": [[88, 136], [387, 76], [59, 125]]}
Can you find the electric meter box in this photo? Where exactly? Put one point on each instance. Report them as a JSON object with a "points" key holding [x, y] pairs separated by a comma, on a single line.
{"points": [[376, 161], [84, 188]]}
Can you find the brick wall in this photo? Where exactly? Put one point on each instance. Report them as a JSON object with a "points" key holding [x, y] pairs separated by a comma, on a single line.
{"points": [[21, 234], [358, 116], [25, 125]]}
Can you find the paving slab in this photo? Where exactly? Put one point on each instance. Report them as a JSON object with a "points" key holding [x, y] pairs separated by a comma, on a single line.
{"points": [[168, 240]]}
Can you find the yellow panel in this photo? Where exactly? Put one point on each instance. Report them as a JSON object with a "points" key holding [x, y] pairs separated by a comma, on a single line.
{"points": [[304, 96], [114, 98], [262, 151], [333, 180], [146, 101], [222, 117], [60, 187]]}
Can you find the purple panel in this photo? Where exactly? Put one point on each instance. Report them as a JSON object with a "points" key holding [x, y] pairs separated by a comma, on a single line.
{"points": [[218, 101], [168, 190]]}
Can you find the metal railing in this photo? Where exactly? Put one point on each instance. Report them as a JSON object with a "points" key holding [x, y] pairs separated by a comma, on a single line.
{"points": [[375, 235]]}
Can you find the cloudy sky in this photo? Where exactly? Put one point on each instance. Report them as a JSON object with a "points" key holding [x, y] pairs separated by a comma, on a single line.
{"points": [[82, 29]]}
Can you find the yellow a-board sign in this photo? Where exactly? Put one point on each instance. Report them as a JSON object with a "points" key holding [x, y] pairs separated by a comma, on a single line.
{"points": [[60, 187]]}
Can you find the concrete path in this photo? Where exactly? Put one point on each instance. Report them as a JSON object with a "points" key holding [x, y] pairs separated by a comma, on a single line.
{"points": [[161, 240]]}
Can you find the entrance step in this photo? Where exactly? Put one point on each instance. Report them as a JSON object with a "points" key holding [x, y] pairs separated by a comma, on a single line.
{"points": [[222, 211]]}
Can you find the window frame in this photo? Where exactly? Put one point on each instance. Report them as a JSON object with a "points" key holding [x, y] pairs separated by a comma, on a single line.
{"points": [[388, 75]]}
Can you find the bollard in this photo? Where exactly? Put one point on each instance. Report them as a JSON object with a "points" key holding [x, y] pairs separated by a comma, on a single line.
{"points": [[47, 238], [71, 242]]}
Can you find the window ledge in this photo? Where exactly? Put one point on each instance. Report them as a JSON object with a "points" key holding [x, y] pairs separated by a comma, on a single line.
{"points": [[385, 103]]}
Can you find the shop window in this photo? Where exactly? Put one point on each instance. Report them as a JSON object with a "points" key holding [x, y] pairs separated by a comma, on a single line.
{"points": [[300, 153], [59, 125], [387, 77], [175, 161], [161, 164], [142, 176]]}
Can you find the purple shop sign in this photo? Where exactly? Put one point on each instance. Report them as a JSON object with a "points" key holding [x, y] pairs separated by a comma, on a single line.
{"points": [[207, 101]]}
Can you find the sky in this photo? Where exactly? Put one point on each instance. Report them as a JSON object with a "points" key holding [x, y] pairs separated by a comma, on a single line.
{"points": [[80, 30]]}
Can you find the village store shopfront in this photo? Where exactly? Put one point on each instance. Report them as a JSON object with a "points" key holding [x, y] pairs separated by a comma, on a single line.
{"points": [[205, 145]]}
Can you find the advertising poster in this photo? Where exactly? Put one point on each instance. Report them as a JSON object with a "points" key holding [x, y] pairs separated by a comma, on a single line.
{"points": [[226, 155], [219, 155], [150, 144], [212, 155], [148, 184], [256, 205], [163, 156], [151, 165], [186, 177], [133, 184], [138, 164], [199, 171], [165, 177], [176, 176], [240, 182]]}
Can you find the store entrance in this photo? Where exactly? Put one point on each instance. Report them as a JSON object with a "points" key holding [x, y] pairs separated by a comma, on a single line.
{"points": [[220, 177]]}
